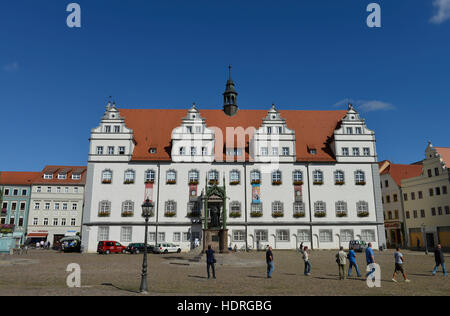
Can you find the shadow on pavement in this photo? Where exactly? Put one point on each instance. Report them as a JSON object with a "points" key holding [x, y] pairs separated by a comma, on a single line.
{"points": [[120, 289]]}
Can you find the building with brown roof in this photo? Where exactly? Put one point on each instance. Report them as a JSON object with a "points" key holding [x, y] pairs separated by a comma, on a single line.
{"points": [[284, 176], [57, 200], [427, 201]]}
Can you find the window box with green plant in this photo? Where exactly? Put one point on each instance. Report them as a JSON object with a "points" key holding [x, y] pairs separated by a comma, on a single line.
{"points": [[318, 182], [299, 214], [149, 181], [363, 214], [193, 182], [341, 214], [106, 181], [255, 182], [360, 183], [235, 214], [128, 182], [213, 182], [339, 183], [7, 229], [171, 182], [277, 214], [235, 182], [320, 214], [104, 214], [276, 182], [256, 214], [170, 214], [127, 214], [298, 182]]}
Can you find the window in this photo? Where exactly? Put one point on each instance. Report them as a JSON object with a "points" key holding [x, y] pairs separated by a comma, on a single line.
{"points": [[107, 129], [129, 176], [362, 208], [48, 176], [127, 207], [360, 177], [358, 130], [170, 208], [277, 208], [73, 221], [349, 130], [116, 129], [193, 151], [345, 151], [15, 192], [103, 233], [264, 151], [198, 129], [282, 235], [22, 206], [235, 176], [121, 150], [13, 206], [440, 211], [325, 235], [274, 151], [152, 237], [37, 205], [447, 210], [45, 222], [35, 221], [317, 177], [187, 236], [149, 176], [368, 235], [433, 211], [161, 237], [405, 196], [63, 222], [193, 176], [366, 151], [339, 177], [415, 214], [189, 129], [422, 213], [320, 209], [304, 235], [76, 176], [395, 196], [420, 195], [182, 151], [204, 151], [176, 237], [110, 150], [285, 151], [107, 176], [99, 150], [46, 206], [297, 176], [55, 222], [436, 171], [74, 206], [386, 183], [126, 234], [396, 214], [213, 175], [341, 209], [64, 206], [256, 207], [413, 195], [238, 235], [299, 208], [346, 235], [6, 193], [276, 176], [56, 206], [444, 189], [105, 207], [431, 192], [75, 190], [438, 191], [58, 190], [255, 176], [269, 130], [49, 189], [262, 235], [389, 215], [408, 215], [355, 151]]}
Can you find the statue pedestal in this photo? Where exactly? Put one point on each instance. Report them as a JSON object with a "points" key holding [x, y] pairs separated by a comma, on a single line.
{"points": [[217, 238]]}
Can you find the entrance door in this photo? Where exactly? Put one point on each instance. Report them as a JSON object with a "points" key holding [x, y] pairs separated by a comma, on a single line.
{"points": [[430, 240]]}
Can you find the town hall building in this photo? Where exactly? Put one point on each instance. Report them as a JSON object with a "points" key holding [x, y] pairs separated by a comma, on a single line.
{"points": [[266, 177]]}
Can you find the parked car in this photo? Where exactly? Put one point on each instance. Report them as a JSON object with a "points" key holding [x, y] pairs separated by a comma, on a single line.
{"points": [[358, 245], [166, 248], [70, 244], [136, 248], [107, 247]]}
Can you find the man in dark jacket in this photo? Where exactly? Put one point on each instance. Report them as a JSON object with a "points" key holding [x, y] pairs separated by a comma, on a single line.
{"points": [[210, 261], [269, 260], [440, 260]]}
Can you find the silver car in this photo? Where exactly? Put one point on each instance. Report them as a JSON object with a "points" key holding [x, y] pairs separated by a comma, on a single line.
{"points": [[166, 248]]}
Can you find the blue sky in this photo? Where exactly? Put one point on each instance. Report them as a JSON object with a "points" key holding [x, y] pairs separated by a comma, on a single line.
{"points": [[54, 81]]}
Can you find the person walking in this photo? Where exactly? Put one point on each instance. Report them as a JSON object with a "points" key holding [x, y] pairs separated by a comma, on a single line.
{"points": [[210, 261], [341, 260], [352, 263], [439, 259], [370, 259], [269, 260], [399, 260], [304, 252]]}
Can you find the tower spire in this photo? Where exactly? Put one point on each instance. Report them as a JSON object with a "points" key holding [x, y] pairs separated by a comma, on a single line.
{"points": [[230, 106]]}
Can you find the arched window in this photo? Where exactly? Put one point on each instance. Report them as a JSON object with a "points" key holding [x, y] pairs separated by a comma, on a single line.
{"points": [[339, 177], [341, 209], [297, 176], [276, 177], [235, 177], [193, 176], [317, 177], [360, 177], [104, 209], [320, 209], [107, 176], [149, 176], [213, 177], [171, 177], [129, 176], [255, 177]]}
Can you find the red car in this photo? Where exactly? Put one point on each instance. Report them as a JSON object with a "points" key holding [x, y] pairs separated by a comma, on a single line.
{"points": [[107, 247]]}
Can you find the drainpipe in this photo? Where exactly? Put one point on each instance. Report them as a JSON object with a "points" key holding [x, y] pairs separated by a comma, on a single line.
{"points": [[157, 204], [310, 206]]}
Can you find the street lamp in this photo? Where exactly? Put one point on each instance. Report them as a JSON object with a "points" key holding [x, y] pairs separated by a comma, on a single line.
{"points": [[147, 210]]}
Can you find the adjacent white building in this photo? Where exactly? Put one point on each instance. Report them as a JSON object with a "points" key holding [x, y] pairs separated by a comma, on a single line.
{"points": [[289, 176]]}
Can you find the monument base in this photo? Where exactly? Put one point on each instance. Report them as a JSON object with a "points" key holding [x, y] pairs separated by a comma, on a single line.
{"points": [[217, 238]]}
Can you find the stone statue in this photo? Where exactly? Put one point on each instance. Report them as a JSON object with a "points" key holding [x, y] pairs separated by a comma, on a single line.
{"points": [[215, 217]]}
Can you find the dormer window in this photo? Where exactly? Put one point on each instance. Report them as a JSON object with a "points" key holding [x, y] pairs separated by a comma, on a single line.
{"points": [[152, 150], [76, 176], [62, 176], [313, 151], [48, 176]]}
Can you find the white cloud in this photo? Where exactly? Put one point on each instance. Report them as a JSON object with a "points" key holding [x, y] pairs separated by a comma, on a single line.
{"points": [[442, 11], [14, 66], [367, 106]]}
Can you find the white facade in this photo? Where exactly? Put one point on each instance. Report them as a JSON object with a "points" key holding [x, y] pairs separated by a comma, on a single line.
{"points": [[349, 185]]}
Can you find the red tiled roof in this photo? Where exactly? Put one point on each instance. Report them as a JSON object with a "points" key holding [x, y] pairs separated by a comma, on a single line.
{"points": [[401, 172], [67, 170], [444, 152], [17, 178], [153, 128]]}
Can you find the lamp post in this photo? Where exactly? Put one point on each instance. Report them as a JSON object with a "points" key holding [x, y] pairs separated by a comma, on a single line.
{"points": [[147, 209]]}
